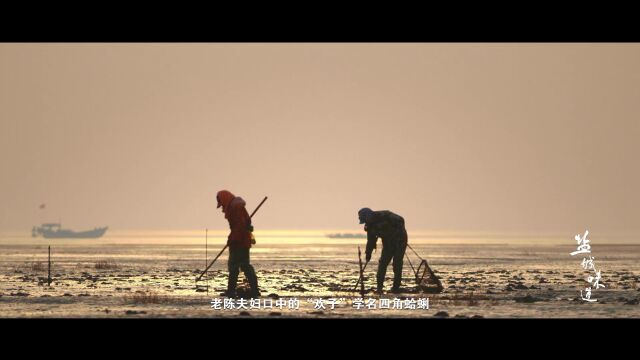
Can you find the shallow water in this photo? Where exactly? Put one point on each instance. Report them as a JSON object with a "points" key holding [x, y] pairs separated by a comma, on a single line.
{"points": [[149, 278]]}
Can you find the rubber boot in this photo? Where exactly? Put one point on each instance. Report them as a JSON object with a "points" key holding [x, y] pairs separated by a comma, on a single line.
{"points": [[253, 282], [231, 285]]}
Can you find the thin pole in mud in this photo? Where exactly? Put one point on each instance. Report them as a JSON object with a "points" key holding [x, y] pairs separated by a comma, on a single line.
{"points": [[49, 269], [361, 272], [361, 276], [206, 253], [225, 247]]}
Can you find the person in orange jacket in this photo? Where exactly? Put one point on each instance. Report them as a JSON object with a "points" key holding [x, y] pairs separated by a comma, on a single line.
{"points": [[239, 242]]}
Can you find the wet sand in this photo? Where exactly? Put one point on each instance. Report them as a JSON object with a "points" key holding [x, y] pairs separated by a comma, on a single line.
{"points": [[146, 279]]}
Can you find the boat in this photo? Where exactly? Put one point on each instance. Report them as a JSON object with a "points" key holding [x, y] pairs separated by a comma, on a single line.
{"points": [[55, 231], [346, 236]]}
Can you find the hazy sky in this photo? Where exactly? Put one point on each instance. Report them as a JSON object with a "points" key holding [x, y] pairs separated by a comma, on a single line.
{"points": [[496, 137]]}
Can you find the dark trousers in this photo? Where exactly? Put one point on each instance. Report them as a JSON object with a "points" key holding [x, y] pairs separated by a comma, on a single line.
{"points": [[239, 260], [393, 249]]}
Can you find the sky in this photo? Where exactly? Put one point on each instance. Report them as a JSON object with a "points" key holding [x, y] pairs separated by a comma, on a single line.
{"points": [[530, 138]]}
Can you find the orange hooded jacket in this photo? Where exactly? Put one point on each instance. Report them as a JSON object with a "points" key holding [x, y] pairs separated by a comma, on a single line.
{"points": [[239, 220]]}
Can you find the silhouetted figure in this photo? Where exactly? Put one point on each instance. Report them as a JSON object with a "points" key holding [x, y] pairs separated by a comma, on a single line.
{"points": [[390, 227], [239, 241]]}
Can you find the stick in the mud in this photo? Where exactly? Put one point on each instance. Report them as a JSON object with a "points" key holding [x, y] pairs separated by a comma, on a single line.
{"points": [[361, 276], [49, 268], [206, 253], [361, 272]]}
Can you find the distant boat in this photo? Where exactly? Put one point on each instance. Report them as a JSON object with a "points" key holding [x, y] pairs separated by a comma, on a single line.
{"points": [[346, 236], [55, 231]]}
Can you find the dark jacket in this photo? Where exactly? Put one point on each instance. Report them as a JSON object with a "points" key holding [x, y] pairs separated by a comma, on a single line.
{"points": [[386, 225]]}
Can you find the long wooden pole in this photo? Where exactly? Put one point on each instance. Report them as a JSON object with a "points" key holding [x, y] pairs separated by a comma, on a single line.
{"points": [[258, 207], [225, 247]]}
